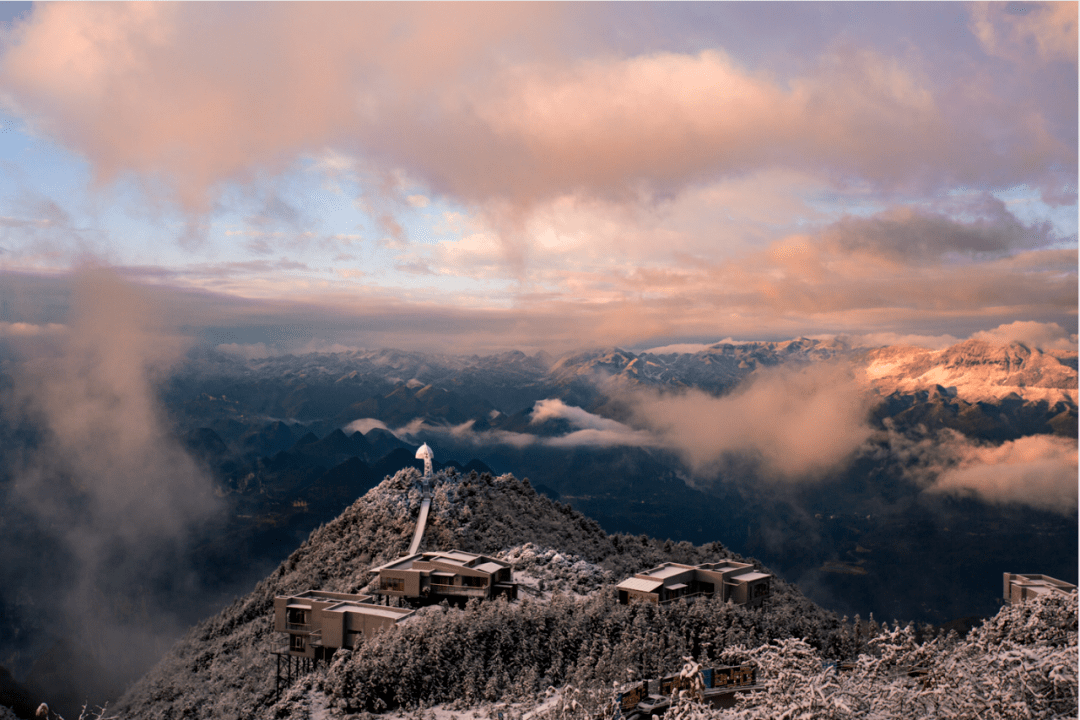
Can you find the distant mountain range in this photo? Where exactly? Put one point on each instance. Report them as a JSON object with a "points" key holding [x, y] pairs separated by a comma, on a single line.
{"points": [[398, 387]]}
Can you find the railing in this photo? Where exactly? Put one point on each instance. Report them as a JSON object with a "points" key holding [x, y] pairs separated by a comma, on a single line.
{"points": [[298, 627], [458, 590], [686, 596]]}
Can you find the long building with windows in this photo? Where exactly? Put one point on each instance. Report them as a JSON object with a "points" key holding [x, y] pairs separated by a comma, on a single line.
{"points": [[453, 575], [318, 622], [740, 583]]}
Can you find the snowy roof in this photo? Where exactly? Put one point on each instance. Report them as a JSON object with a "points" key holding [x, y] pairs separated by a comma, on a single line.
{"points": [[677, 586], [667, 570], [376, 610], [425, 453], [640, 584], [490, 567], [402, 563], [446, 561], [750, 577]]}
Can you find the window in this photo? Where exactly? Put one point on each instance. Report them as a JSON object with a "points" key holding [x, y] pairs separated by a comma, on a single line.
{"points": [[297, 616], [703, 587], [296, 642], [393, 584], [477, 582]]}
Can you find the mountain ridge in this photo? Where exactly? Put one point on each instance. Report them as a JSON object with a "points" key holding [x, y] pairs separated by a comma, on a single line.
{"points": [[224, 668]]}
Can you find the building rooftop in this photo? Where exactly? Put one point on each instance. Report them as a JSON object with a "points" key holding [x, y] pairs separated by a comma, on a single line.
{"points": [[455, 558], [667, 570], [379, 610], [751, 576], [640, 584]]}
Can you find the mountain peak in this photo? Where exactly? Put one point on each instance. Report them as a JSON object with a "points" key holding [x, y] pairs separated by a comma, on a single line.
{"points": [[225, 665]]}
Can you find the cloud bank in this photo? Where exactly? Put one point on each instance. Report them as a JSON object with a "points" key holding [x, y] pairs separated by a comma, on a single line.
{"points": [[444, 93], [783, 423], [105, 476], [1045, 336], [791, 423], [544, 175], [1040, 471]]}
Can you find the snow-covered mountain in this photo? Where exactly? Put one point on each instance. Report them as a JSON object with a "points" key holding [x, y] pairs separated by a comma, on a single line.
{"points": [[975, 370], [556, 653], [569, 629], [510, 382]]}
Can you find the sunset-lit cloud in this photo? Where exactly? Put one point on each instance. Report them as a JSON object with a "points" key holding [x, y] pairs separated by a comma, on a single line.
{"points": [[552, 175]]}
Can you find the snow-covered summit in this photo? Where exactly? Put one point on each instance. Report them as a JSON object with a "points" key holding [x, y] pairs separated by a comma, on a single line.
{"points": [[978, 370], [568, 628]]}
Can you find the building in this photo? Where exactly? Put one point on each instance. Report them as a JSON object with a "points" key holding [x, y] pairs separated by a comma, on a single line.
{"points": [[455, 576], [318, 622], [738, 582], [1024, 587], [653, 697]]}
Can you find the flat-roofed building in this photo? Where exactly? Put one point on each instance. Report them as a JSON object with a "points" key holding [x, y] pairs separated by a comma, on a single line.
{"points": [[738, 582], [319, 622], [1024, 587], [452, 575]]}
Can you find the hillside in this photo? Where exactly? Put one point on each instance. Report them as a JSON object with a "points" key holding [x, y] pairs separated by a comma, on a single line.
{"points": [[568, 629]]}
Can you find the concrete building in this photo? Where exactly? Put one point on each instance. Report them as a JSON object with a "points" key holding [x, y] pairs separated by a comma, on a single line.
{"points": [[1024, 587], [738, 582], [453, 575], [318, 622]]}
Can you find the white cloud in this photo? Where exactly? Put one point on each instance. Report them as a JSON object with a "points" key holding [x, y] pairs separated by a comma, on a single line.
{"points": [[22, 329], [1044, 336], [793, 422], [1038, 470], [251, 351], [363, 425]]}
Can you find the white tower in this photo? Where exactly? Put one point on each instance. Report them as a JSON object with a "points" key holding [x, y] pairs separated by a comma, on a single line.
{"points": [[425, 454]]}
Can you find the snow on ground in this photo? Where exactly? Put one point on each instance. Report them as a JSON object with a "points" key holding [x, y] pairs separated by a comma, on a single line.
{"points": [[541, 572]]}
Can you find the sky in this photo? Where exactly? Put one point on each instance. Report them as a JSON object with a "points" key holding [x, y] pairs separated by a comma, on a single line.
{"points": [[483, 177]]}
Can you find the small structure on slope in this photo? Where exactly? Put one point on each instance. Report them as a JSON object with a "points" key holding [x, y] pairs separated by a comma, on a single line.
{"points": [[1024, 587], [715, 687], [318, 623], [740, 583], [453, 575]]}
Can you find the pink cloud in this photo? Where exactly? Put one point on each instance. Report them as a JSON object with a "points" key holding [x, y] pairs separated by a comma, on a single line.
{"points": [[794, 422], [1039, 471], [1005, 31], [1045, 336], [479, 103]]}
